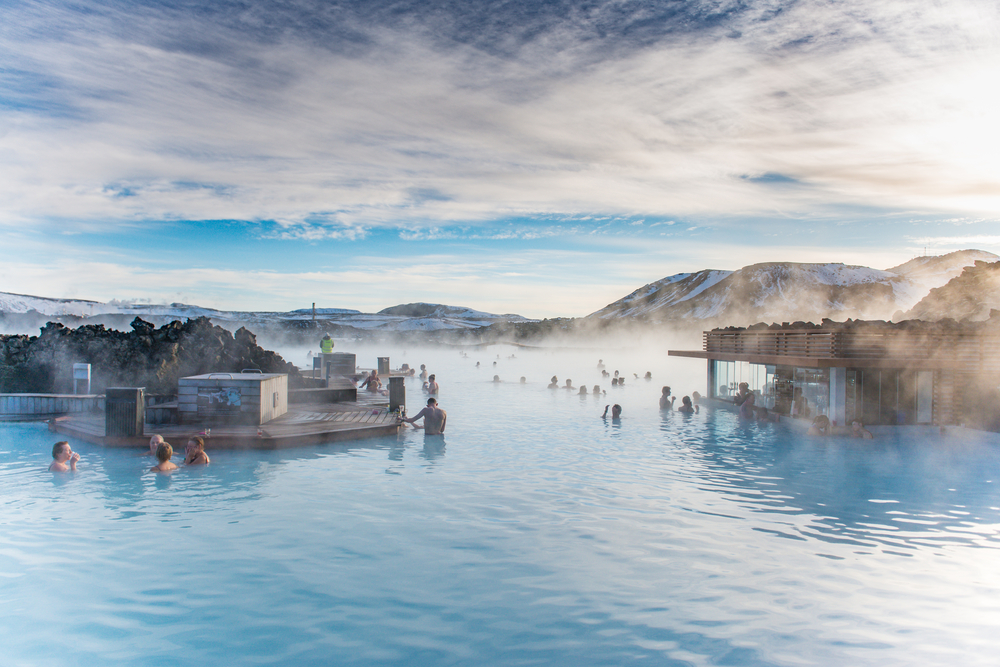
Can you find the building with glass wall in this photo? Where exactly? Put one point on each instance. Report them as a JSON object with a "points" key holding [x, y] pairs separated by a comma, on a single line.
{"points": [[911, 373]]}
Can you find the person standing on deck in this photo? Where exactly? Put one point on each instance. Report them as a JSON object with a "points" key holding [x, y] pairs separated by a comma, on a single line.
{"points": [[326, 344], [434, 418]]}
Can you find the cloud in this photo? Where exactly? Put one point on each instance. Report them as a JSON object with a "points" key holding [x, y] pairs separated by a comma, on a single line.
{"points": [[401, 125]]}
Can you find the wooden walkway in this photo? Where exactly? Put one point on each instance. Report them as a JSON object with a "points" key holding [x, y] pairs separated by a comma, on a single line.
{"points": [[369, 417]]}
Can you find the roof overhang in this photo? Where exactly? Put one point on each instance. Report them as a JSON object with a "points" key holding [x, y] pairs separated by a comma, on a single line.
{"points": [[813, 362]]}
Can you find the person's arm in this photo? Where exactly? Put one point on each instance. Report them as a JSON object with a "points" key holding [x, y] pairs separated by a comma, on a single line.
{"points": [[410, 420], [605, 415], [444, 420], [72, 461]]}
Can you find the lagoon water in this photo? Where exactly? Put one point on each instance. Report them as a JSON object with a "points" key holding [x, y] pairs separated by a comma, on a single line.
{"points": [[533, 533]]}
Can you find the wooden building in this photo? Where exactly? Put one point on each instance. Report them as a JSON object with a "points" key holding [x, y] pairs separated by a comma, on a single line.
{"points": [[880, 373]]}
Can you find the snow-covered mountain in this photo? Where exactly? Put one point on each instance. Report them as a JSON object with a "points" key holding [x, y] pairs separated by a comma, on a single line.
{"points": [[786, 291], [971, 295], [407, 317]]}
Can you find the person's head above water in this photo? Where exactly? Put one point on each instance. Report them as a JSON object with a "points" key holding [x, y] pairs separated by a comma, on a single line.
{"points": [[523, 379], [155, 442], [665, 391], [164, 452], [431, 401], [616, 411]]}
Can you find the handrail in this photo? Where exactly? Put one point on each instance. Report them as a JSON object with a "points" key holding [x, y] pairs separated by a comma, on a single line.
{"points": [[212, 375]]}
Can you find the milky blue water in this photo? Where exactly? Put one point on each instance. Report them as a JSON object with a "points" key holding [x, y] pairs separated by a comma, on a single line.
{"points": [[534, 533]]}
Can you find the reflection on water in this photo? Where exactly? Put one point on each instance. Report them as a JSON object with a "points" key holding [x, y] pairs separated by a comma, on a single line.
{"points": [[544, 534]]}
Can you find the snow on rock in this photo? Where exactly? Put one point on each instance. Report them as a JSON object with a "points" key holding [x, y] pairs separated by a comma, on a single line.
{"points": [[407, 317]]}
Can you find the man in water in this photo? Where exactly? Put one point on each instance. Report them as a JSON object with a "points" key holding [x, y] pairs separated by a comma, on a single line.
{"points": [[62, 453], [666, 400], [616, 412], [858, 430], [434, 418], [432, 385]]}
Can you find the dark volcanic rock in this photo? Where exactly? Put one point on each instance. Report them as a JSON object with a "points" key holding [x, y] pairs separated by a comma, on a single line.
{"points": [[144, 357]]}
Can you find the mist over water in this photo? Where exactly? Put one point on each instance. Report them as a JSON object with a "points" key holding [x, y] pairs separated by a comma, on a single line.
{"points": [[533, 532]]}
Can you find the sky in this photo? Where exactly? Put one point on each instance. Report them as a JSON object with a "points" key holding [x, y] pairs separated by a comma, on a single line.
{"points": [[543, 158]]}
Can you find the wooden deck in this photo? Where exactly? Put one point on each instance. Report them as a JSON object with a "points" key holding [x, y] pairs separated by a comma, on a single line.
{"points": [[369, 417]]}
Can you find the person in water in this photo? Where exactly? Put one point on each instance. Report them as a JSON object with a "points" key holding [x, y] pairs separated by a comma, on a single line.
{"points": [[858, 430], [432, 385], [741, 394], [372, 383], [194, 452], [616, 412], [764, 416], [569, 384], [65, 457], [597, 390], [423, 371], [820, 426], [583, 390], [434, 418], [747, 407], [686, 406], [154, 443], [163, 454], [666, 400], [496, 379], [524, 380]]}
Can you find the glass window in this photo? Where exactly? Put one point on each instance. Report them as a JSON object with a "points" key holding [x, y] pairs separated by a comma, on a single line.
{"points": [[925, 397]]}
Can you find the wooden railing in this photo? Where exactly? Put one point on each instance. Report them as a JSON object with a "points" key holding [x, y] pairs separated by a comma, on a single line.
{"points": [[977, 351]]}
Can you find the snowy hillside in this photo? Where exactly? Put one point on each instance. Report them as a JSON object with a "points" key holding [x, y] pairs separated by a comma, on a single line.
{"points": [[973, 295], [662, 294], [786, 291], [924, 274], [409, 317]]}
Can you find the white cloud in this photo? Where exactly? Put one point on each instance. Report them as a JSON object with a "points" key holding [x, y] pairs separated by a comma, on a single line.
{"points": [[896, 110]]}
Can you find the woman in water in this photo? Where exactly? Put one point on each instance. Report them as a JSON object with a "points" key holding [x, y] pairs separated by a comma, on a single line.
{"points": [[372, 383], [820, 426], [686, 406], [194, 452], [616, 412]]}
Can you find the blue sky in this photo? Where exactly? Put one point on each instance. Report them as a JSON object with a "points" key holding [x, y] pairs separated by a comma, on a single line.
{"points": [[541, 158]]}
